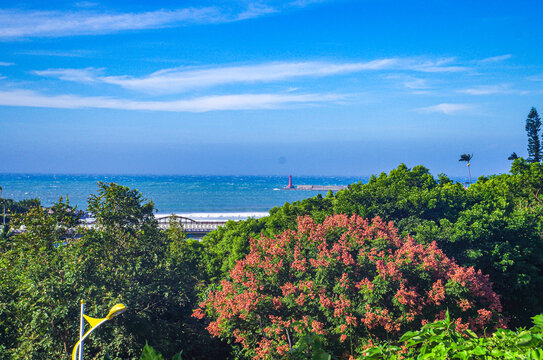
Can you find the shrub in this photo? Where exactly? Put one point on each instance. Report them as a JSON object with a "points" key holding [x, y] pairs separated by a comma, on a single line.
{"points": [[441, 341], [346, 279]]}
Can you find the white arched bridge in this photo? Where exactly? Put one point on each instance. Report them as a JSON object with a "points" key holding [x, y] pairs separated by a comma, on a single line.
{"points": [[196, 228]]}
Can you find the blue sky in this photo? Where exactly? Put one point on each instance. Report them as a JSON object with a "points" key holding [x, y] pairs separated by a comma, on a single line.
{"points": [[306, 87]]}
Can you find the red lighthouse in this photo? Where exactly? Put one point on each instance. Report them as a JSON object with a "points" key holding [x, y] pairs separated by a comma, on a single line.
{"points": [[290, 186]]}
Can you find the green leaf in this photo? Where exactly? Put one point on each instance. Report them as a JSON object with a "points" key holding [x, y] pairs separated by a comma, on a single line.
{"points": [[524, 339], [479, 351], [150, 354], [321, 355], [408, 335], [538, 320], [536, 355], [463, 355], [497, 353]]}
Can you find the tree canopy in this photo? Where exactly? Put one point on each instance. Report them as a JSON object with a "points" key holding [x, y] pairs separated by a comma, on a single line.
{"points": [[533, 127], [496, 225]]}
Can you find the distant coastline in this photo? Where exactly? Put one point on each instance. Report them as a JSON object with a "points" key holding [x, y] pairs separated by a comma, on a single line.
{"points": [[202, 216], [207, 196]]}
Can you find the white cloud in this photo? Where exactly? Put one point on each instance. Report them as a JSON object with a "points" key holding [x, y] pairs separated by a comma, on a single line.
{"points": [[302, 3], [537, 78], [495, 59], [416, 84], [3, 63], [28, 98], [184, 79], [69, 53], [180, 79], [37, 23], [256, 10], [16, 24], [434, 66], [447, 109], [76, 75], [86, 4], [409, 82], [487, 90]]}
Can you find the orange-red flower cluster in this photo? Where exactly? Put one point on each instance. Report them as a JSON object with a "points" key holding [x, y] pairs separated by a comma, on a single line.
{"points": [[342, 279]]}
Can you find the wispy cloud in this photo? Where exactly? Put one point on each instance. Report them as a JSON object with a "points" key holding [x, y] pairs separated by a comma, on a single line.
{"points": [[416, 84], [447, 109], [86, 75], [256, 10], [179, 79], [537, 78], [59, 53], [3, 63], [28, 98], [409, 82], [86, 4], [495, 59], [487, 90], [436, 66], [16, 24], [302, 3], [184, 79]]}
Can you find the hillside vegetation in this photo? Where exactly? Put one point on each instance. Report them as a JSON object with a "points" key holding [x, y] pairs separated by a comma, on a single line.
{"points": [[366, 272]]}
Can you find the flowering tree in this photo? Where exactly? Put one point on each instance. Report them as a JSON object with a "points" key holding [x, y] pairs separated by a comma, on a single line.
{"points": [[349, 280]]}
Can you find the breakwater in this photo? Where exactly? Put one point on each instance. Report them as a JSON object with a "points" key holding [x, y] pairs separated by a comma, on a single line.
{"points": [[321, 187]]}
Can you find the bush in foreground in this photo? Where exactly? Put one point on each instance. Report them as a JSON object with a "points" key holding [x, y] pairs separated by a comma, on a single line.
{"points": [[441, 340], [347, 279]]}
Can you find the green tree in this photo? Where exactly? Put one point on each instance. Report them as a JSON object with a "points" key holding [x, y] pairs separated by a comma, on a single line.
{"points": [[467, 158], [533, 126], [12, 207], [513, 156], [154, 273], [125, 258], [39, 276], [496, 225]]}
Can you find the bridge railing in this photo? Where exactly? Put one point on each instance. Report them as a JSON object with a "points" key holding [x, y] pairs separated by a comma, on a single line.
{"points": [[190, 225], [180, 219]]}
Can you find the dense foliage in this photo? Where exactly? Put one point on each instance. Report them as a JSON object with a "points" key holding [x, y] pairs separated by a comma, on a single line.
{"points": [[346, 279], [48, 268], [442, 340], [496, 225], [17, 207], [151, 354]]}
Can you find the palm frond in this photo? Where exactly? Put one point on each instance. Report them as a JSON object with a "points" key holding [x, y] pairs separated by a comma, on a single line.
{"points": [[466, 157]]}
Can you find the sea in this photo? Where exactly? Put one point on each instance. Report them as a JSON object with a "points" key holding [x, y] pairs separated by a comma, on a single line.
{"points": [[197, 197]]}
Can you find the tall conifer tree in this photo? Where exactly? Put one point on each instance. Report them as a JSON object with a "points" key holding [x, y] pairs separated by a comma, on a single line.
{"points": [[533, 126]]}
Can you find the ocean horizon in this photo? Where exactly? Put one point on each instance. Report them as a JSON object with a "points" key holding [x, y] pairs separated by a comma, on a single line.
{"points": [[201, 196]]}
